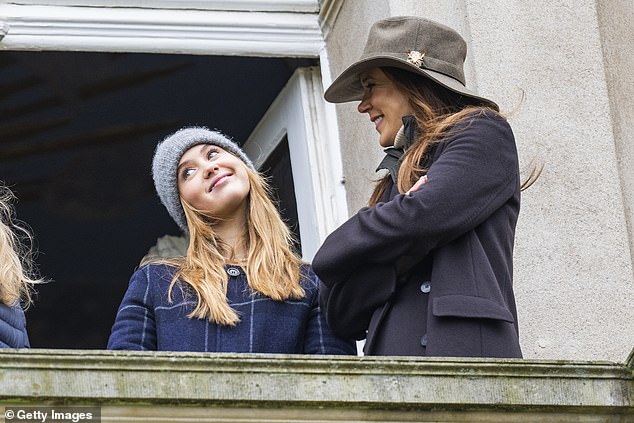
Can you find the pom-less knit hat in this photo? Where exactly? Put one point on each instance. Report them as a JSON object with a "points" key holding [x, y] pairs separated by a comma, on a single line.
{"points": [[417, 45], [169, 152]]}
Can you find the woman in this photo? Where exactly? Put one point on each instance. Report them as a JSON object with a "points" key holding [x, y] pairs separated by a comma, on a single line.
{"points": [[426, 269], [15, 276], [240, 287]]}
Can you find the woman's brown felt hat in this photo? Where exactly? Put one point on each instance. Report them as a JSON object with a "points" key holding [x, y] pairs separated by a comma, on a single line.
{"points": [[414, 44]]}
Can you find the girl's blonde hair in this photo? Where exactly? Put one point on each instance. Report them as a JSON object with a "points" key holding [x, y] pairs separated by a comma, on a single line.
{"points": [[273, 268], [436, 111], [17, 273]]}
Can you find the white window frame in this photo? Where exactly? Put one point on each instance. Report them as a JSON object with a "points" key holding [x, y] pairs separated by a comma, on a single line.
{"points": [[298, 113], [288, 28], [246, 5]]}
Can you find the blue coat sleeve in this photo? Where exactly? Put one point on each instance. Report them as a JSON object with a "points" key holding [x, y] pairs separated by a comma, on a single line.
{"points": [[475, 173], [319, 338], [13, 327], [134, 327]]}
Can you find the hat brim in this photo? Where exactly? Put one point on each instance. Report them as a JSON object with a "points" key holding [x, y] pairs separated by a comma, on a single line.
{"points": [[347, 86]]}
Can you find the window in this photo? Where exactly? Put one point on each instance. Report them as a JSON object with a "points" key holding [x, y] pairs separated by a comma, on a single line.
{"points": [[89, 85]]}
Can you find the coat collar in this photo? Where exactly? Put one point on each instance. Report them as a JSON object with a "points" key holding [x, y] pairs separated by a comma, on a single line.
{"points": [[404, 139]]}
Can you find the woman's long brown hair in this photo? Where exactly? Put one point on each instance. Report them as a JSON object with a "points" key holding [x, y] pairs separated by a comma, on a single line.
{"points": [[436, 110]]}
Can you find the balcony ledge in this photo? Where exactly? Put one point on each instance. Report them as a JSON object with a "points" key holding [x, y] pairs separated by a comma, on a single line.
{"points": [[212, 387]]}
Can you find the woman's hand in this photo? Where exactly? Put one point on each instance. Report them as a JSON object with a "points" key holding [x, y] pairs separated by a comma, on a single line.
{"points": [[421, 181]]}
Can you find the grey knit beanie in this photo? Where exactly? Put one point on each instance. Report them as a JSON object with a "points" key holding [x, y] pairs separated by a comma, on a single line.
{"points": [[169, 152]]}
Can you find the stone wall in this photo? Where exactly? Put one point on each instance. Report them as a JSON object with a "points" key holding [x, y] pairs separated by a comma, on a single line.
{"points": [[561, 73]]}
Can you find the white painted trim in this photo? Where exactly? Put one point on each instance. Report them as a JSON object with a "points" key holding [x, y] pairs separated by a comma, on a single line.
{"points": [[326, 164], [328, 12], [330, 146], [4, 28], [297, 112], [304, 6], [160, 31]]}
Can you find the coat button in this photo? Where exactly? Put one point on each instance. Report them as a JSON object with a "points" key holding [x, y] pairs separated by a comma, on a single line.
{"points": [[425, 287], [423, 341], [232, 271]]}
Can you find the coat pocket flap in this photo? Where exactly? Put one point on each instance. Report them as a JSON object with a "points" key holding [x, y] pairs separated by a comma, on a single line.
{"points": [[468, 306]]}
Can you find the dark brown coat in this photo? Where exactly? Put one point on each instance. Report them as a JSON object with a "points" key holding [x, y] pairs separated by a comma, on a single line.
{"points": [[458, 300]]}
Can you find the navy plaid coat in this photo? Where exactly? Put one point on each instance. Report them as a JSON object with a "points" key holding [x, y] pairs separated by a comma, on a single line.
{"points": [[146, 320], [13, 327]]}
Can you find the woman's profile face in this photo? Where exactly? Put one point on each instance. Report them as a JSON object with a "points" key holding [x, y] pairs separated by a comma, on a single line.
{"points": [[384, 103], [213, 180]]}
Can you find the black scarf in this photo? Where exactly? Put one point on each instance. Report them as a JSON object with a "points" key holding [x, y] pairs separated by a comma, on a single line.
{"points": [[392, 159]]}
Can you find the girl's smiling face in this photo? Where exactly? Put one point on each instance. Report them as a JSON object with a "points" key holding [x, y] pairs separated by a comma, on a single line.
{"points": [[384, 103], [213, 181]]}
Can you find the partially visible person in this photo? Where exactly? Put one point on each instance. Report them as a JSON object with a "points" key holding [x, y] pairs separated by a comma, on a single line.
{"points": [[427, 268], [240, 287], [16, 275]]}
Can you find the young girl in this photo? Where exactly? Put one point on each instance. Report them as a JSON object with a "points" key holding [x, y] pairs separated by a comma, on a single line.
{"points": [[240, 287], [426, 270], [15, 277]]}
